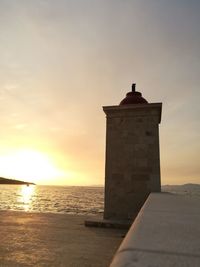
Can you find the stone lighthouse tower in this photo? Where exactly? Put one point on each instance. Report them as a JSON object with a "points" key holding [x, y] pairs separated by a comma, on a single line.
{"points": [[132, 167]]}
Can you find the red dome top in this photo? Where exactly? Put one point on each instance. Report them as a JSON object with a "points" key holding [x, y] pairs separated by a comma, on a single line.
{"points": [[133, 97]]}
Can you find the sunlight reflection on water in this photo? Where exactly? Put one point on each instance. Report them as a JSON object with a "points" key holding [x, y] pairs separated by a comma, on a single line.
{"points": [[25, 196]]}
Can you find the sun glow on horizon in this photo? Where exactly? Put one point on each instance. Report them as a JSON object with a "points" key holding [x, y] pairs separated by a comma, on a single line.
{"points": [[29, 165]]}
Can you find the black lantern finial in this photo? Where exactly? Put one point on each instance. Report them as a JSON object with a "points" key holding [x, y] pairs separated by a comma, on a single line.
{"points": [[133, 87]]}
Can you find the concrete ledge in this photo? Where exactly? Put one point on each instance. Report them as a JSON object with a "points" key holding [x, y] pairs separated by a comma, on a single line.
{"points": [[108, 223], [165, 233]]}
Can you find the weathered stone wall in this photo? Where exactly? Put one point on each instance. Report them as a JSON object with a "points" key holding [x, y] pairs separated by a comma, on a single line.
{"points": [[132, 158]]}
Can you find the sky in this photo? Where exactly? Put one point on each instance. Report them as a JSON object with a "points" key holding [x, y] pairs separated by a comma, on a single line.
{"points": [[61, 61]]}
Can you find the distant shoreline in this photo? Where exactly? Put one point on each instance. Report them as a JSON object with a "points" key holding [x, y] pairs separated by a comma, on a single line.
{"points": [[14, 182]]}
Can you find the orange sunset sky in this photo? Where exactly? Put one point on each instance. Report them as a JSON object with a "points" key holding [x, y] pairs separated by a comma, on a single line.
{"points": [[61, 61]]}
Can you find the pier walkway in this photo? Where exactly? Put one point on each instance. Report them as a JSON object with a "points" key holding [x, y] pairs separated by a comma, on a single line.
{"points": [[54, 240]]}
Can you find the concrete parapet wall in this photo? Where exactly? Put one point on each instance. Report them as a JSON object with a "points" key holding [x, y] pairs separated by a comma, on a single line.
{"points": [[165, 233]]}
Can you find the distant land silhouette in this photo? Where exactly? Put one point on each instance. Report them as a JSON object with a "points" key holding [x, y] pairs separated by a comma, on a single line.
{"points": [[190, 189], [12, 181], [183, 186]]}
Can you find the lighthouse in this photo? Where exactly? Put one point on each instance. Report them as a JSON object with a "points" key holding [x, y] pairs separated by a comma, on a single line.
{"points": [[132, 161]]}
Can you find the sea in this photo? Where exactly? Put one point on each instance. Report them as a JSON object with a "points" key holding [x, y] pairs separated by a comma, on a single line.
{"points": [[79, 200]]}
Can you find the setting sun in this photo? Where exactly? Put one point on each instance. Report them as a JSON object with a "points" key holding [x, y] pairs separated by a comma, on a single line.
{"points": [[29, 165]]}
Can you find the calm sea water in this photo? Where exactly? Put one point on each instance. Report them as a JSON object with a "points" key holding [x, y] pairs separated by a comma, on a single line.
{"points": [[67, 199], [57, 199]]}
